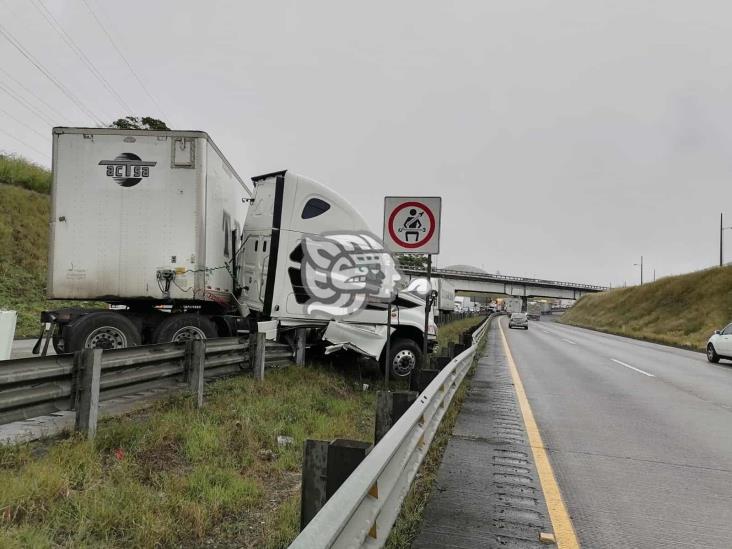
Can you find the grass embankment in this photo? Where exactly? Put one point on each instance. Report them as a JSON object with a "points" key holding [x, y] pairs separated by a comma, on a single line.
{"points": [[24, 218], [177, 476], [450, 333], [679, 310]]}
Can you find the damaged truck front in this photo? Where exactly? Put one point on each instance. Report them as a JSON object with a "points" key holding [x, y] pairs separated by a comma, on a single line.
{"points": [[286, 209]]}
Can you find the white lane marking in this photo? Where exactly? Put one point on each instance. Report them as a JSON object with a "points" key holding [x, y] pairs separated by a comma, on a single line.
{"points": [[569, 341], [632, 367]]}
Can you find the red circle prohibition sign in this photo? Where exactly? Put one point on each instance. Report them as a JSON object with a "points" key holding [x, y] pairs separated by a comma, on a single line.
{"points": [[426, 239]]}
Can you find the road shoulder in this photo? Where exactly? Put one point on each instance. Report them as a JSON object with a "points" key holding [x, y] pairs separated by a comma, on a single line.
{"points": [[487, 492]]}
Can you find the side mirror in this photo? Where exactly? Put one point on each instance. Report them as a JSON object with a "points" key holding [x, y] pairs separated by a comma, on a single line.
{"points": [[716, 332]]}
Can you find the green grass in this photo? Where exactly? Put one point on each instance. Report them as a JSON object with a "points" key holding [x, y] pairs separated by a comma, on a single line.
{"points": [[24, 219], [450, 333], [678, 310], [177, 476], [17, 171]]}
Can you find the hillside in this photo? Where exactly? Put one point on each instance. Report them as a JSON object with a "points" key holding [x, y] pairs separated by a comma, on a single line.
{"points": [[679, 310], [24, 241], [23, 255]]}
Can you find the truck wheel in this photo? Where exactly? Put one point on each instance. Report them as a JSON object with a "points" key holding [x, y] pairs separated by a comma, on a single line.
{"points": [[405, 356], [102, 330], [184, 327]]}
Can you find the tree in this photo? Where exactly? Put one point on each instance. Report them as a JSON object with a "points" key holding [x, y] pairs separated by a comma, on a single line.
{"points": [[412, 261], [136, 123]]}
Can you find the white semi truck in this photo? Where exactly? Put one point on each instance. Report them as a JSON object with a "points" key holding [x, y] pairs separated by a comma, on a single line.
{"points": [[513, 305], [159, 226]]}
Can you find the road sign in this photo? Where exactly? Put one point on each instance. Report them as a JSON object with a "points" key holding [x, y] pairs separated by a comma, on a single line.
{"points": [[412, 224]]}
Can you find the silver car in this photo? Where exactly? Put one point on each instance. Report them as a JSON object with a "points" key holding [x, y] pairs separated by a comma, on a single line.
{"points": [[519, 320]]}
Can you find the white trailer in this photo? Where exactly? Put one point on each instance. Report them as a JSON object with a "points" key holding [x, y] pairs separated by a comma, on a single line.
{"points": [[513, 305], [146, 221], [445, 295]]}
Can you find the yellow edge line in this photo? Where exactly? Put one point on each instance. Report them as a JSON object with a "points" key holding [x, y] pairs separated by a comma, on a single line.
{"points": [[563, 529]]}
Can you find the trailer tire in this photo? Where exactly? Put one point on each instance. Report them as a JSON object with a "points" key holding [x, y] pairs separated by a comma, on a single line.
{"points": [[100, 330], [405, 357], [184, 327]]}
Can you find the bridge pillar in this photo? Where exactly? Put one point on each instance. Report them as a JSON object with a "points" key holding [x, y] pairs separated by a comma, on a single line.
{"points": [[524, 303]]}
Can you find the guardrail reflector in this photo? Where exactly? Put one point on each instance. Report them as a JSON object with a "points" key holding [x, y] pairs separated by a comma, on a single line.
{"points": [[372, 531], [374, 490]]}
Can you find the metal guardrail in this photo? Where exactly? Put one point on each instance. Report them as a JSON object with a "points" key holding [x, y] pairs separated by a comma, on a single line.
{"points": [[32, 387], [363, 510], [469, 275]]}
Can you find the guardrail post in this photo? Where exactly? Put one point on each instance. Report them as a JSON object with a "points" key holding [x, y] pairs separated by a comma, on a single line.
{"points": [[439, 362], [425, 378], [261, 345], [343, 457], [252, 348], [389, 408], [314, 476], [326, 466], [197, 367], [300, 336], [89, 364]]}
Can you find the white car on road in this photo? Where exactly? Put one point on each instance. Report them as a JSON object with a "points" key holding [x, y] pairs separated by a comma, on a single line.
{"points": [[720, 345]]}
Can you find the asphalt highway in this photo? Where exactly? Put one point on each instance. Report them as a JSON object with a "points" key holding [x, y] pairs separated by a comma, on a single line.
{"points": [[639, 435]]}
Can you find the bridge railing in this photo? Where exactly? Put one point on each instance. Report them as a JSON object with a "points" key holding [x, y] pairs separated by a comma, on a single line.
{"points": [[505, 278]]}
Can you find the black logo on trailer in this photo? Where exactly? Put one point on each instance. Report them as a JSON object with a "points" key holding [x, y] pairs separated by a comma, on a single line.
{"points": [[127, 169]]}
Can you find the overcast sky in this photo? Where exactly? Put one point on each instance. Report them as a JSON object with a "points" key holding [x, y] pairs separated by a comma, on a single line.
{"points": [[566, 138]]}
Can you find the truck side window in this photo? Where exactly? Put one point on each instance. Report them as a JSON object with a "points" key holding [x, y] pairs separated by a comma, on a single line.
{"points": [[314, 207]]}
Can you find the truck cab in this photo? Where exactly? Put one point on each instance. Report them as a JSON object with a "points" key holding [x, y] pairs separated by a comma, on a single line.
{"points": [[286, 209]]}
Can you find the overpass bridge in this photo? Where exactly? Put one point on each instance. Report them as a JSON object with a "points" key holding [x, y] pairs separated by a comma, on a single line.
{"points": [[477, 281]]}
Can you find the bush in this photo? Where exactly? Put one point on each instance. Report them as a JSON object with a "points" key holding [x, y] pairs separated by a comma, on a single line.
{"points": [[19, 172]]}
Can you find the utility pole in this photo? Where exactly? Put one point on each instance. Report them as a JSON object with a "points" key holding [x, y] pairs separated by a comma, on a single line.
{"points": [[722, 228], [641, 268]]}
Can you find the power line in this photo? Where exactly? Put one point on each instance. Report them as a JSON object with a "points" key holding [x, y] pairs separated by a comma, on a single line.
{"points": [[25, 104], [31, 92], [26, 126], [45, 154], [129, 66], [53, 22], [38, 65]]}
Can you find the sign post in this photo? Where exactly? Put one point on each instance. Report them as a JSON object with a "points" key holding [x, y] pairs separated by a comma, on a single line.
{"points": [[412, 226]]}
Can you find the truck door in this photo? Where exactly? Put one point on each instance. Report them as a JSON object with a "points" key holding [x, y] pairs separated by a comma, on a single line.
{"points": [[261, 231]]}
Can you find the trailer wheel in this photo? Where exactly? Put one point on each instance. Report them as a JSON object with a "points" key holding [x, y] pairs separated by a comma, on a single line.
{"points": [[405, 356], [102, 330], [184, 327]]}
